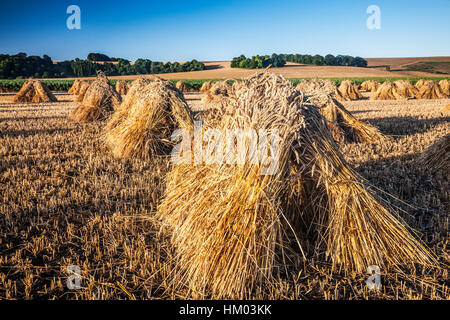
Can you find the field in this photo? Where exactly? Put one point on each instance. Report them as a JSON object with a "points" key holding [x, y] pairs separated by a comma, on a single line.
{"points": [[223, 70], [66, 201], [413, 66]]}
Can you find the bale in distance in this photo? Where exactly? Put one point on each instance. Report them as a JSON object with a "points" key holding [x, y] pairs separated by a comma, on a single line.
{"points": [[206, 86], [98, 102], [419, 83], [82, 91], [370, 85], [349, 91], [219, 90], [75, 88], [155, 111], [437, 156], [430, 90], [122, 87], [445, 86], [326, 86], [34, 91], [235, 235], [183, 86], [388, 91], [405, 89]]}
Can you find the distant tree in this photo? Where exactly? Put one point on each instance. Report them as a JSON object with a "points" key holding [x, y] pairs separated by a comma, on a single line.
{"points": [[84, 68], [243, 63], [109, 69], [318, 60], [63, 69], [277, 60], [23, 66], [236, 62], [258, 62], [297, 58], [124, 67], [155, 67], [360, 62], [347, 61], [20, 65], [330, 60], [98, 57], [307, 59], [142, 66]]}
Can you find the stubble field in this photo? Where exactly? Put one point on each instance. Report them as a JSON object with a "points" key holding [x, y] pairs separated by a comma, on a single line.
{"points": [[64, 200]]}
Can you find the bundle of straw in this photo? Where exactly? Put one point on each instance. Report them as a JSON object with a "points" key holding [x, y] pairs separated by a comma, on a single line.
{"points": [[420, 83], [183, 86], [326, 86], [343, 125], [387, 91], [98, 102], [75, 88], [349, 91], [430, 90], [154, 112], [445, 86], [370, 85], [405, 89], [122, 110], [206, 86], [219, 91], [121, 87], [437, 156], [232, 227], [82, 91], [34, 91]]}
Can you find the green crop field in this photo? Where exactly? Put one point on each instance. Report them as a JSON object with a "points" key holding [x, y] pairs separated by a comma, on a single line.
{"points": [[64, 85]]}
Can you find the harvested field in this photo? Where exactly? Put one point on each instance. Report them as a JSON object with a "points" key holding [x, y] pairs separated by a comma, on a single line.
{"points": [[67, 201], [418, 66], [223, 70]]}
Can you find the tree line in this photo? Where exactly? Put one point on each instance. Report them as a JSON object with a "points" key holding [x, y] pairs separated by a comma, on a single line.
{"points": [[258, 62], [279, 60], [22, 66]]}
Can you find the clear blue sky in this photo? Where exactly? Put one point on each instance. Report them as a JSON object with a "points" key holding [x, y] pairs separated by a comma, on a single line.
{"points": [[218, 30]]}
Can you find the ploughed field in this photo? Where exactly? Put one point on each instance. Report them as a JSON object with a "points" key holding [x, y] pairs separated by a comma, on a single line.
{"points": [[64, 200]]}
